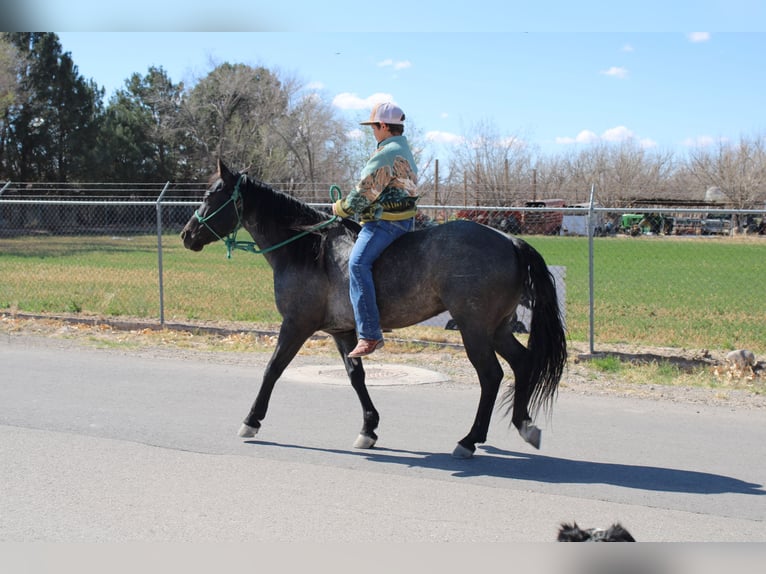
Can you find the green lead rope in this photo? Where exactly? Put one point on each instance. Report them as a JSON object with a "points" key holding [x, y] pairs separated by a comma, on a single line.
{"points": [[252, 247]]}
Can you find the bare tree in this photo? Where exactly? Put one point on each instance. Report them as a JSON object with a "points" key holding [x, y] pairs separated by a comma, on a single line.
{"points": [[9, 86], [316, 139], [620, 172], [738, 170], [229, 113], [9, 90], [495, 170], [550, 180], [269, 123]]}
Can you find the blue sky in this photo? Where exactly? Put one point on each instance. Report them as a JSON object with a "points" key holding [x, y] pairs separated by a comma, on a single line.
{"points": [[554, 90], [557, 74]]}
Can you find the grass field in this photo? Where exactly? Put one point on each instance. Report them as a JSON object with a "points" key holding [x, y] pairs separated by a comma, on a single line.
{"points": [[689, 292]]}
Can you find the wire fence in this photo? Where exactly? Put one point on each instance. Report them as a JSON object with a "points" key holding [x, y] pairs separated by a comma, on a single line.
{"points": [[655, 275]]}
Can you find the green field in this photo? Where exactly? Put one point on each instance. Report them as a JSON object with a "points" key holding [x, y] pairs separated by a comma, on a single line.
{"points": [[688, 293], [676, 292]]}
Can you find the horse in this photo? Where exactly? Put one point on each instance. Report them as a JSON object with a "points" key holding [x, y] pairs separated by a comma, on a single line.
{"points": [[476, 273]]}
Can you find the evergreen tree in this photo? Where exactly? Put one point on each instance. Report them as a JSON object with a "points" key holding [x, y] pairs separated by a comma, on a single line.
{"points": [[53, 127], [141, 138]]}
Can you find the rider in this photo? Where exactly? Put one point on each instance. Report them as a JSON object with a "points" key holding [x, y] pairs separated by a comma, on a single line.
{"points": [[385, 201]]}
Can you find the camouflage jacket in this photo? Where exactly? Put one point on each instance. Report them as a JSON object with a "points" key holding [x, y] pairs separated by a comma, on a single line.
{"points": [[387, 188]]}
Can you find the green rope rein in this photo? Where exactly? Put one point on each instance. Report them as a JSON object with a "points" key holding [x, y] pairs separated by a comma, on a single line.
{"points": [[252, 247]]}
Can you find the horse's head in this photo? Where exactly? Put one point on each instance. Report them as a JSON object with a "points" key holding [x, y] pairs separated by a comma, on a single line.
{"points": [[220, 212]]}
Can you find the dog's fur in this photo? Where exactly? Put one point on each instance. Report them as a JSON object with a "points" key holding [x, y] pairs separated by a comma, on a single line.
{"points": [[573, 533]]}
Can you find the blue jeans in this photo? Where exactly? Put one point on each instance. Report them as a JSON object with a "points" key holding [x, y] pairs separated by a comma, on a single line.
{"points": [[374, 237]]}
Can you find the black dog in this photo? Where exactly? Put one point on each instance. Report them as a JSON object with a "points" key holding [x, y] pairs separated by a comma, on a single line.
{"points": [[573, 533]]}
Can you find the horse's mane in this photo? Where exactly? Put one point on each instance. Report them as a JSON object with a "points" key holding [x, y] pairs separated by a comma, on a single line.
{"points": [[285, 212], [288, 209]]}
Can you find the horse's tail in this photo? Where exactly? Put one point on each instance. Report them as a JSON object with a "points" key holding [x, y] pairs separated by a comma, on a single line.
{"points": [[547, 342]]}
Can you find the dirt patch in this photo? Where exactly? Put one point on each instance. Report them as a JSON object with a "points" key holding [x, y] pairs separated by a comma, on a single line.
{"points": [[231, 342]]}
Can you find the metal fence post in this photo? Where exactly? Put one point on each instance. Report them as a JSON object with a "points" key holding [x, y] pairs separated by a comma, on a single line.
{"points": [[591, 230], [158, 205]]}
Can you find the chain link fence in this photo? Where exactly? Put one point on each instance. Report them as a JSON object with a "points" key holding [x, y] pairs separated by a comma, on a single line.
{"points": [[675, 276]]}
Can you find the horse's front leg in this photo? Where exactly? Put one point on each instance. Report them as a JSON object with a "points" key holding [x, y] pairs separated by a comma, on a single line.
{"points": [[290, 340], [370, 417]]}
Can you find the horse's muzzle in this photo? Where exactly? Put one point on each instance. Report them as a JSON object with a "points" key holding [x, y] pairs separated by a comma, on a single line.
{"points": [[188, 240]]}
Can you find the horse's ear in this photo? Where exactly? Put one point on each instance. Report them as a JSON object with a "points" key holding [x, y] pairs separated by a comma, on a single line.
{"points": [[226, 175]]}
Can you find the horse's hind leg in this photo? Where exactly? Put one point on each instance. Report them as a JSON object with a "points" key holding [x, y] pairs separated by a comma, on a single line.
{"points": [[482, 356], [290, 340], [370, 417], [518, 358]]}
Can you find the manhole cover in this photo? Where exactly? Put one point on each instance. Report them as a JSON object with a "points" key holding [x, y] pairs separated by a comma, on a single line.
{"points": [[376, 375]]}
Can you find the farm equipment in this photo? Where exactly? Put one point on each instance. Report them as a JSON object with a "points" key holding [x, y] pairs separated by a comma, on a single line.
{"points": [[716, 225], [633, 224], [646, 224]]}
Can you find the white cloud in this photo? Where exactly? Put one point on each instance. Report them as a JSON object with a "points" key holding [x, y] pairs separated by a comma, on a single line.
{"points": [[401, 65], [616, 72], [627, 48], [697, 37], [350, 101], [618, 134], [443, 137], [586, 137], [612, 135], [316, 86]]}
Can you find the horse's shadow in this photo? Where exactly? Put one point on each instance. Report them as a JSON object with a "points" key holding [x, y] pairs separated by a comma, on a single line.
{"points": [[500, 463]]}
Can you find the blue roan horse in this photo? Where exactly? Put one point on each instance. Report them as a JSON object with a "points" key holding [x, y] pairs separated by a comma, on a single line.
{"points": [[476, 273]]}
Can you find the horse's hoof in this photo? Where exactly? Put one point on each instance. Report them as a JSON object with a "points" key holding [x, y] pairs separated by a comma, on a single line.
{"points": [[531, 434], [363, 441], [246, 431], [462, 452]]}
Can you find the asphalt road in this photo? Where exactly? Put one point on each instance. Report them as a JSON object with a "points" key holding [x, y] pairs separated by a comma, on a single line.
{"points": [[110, 445]]}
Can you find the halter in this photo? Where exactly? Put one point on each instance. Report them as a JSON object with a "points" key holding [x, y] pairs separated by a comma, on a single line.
{"points": [[251, 246], [231, 238]]}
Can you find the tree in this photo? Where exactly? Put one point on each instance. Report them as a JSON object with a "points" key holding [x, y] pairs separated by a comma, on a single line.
{"points": [[53, 127], [141, 139], [271, 125], [229, 114], [494, 170], [621, 172], [10, 92], [316, 141], [737, 169]]}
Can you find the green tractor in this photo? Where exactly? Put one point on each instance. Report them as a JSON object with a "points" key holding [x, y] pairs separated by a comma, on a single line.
{"points": [[633, 224], [645, 224]]}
